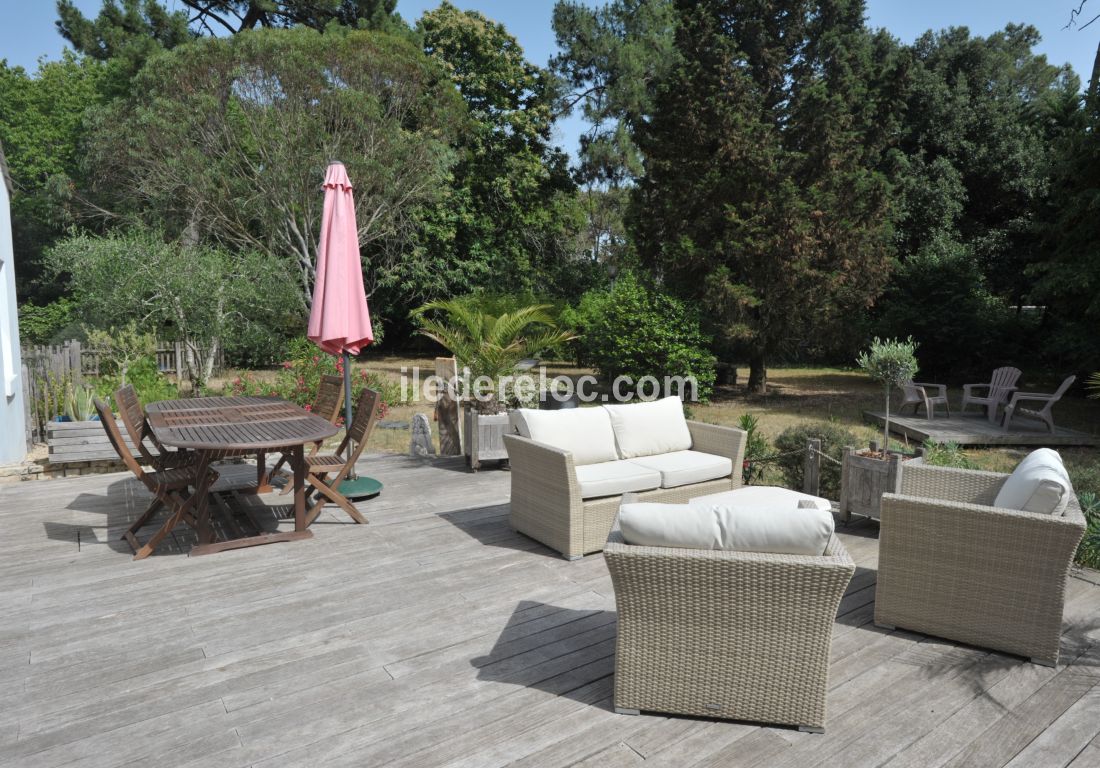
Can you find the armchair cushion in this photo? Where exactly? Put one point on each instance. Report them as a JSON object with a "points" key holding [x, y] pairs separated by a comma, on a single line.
{"points": [[1039, 484], [741, 528], [611, 478], [686, 467], [647, 429], [584, 432]]}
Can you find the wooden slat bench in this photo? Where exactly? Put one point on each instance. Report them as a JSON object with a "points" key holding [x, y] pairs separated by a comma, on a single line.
{"points": [[73, 441]]}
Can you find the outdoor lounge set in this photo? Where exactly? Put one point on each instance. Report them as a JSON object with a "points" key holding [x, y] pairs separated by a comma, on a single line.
{"points": [[726, 596], [1000, 398]]}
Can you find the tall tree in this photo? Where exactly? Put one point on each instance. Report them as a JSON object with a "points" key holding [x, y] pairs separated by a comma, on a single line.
{"points": [[41, 122], [512, 214], [762, 196], [226, 139]]}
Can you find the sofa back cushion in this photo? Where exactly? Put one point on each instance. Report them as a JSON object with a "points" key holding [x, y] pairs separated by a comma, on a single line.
{"points": [[584, 432], [647, 429], [742, 528], [1039, 484]]}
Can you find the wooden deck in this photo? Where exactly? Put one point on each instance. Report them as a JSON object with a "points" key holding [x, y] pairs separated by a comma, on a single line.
{"points": [[974, 429], [437, 636]]}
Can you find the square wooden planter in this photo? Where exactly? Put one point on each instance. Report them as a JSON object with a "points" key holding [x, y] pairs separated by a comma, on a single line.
{"points": [[483, 437], [863, 480]]}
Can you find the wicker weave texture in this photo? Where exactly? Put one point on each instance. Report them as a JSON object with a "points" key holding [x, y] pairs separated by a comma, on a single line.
{"points": [[971, 572], [736, 635], [546, 501]]}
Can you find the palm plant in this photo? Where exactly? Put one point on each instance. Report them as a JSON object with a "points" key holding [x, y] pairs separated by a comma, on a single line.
{"points": [[489, 345], [1093, 386]]}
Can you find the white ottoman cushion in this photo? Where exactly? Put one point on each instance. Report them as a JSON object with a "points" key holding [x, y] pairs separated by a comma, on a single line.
{"points": [[584, 432], [646, 429], [611, 478], [686, 467], [1039, 484], [762, 496], [789, 531]]}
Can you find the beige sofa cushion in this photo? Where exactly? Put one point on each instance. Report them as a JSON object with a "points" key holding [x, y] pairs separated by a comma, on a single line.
{"points": [[1039, 484], [647, 429], [584, 432], [612, 478], [778, 530], [686, 467]]}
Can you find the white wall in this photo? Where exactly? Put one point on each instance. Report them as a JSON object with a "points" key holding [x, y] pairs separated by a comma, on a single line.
{"points": [[13, 439]]}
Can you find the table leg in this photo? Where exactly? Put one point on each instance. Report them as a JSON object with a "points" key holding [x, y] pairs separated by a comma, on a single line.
{"points": [[263, 482], [202, 502], [298, 457]]}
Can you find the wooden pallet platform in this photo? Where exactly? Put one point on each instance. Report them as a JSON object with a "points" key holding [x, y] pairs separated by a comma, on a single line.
{"points": [[976, 430], [437, 636]]}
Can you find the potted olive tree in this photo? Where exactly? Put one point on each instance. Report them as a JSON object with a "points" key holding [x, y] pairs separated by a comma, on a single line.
{"points": [[867, 474], [488, 344]]}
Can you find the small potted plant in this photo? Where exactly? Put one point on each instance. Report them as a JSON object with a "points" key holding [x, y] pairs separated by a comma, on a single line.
{"points": [[487, 344], [867, 474]]}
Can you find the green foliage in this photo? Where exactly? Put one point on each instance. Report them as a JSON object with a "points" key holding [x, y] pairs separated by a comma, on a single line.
{"points": [[947, 454], [512, 214], [1088, 551], [635, 331], [762, 198], [299, 378], [834, 438], [201, 148], [489, 344], [1093, 385], [756, 447], [150, 384], [120, 347], [43, 324], [890, 362], [78, 402], [41, 125], [203, 295]]}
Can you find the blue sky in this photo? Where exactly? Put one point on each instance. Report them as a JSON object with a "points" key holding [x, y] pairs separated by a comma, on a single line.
{"points": [[28, 29]]}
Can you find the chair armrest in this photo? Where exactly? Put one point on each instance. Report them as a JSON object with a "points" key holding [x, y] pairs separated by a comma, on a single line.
{"points": [[969, 388], [546, 499], [720, 441], [942, 388], [949, 484], [1041, 397]]}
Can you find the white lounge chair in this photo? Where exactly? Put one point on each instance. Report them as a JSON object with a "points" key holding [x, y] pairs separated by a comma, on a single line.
{"points": [[1000, 387], [1043, 414], [915, 393]]}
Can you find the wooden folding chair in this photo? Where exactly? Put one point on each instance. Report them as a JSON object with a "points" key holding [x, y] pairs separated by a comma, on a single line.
{"points": [[330, 395], [133, 418], [339, 465], [169, 488]]}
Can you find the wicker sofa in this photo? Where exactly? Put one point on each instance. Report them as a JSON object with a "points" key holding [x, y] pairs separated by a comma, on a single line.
{"points": [[954, 566], [713, 633], [550, 504]]}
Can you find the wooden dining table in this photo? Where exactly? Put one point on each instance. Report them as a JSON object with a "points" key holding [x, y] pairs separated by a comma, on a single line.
{"points": [[223, 427]]}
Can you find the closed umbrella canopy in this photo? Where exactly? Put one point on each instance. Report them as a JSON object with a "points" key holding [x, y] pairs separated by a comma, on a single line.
{"points": [[339, 320]]}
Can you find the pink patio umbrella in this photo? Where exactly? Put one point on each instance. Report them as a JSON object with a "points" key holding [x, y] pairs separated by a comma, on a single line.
{"points": [[339, 321]]}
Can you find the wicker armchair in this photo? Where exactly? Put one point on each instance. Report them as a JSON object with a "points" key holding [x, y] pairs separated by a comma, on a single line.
{"points": [[954, 566], [546, 501], [737, 635]]}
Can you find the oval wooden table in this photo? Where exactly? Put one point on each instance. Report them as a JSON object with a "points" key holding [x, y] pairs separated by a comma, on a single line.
{"points": [[219, 427]]}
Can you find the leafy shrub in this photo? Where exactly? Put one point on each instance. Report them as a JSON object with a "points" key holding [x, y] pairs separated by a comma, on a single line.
{"points": [[833, 440], [150, 384], [634, 331], [756, 447], [43, 325], [300, 379], [946, 455]]}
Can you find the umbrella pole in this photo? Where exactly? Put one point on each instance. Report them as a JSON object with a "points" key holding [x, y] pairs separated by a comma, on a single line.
{"points": [[347, 400]]}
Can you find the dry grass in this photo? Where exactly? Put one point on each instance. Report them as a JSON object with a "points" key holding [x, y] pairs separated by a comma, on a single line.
{"points": [[796, 395]]}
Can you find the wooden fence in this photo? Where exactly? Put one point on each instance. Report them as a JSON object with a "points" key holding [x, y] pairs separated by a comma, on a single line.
{"points": [[47, 369]]}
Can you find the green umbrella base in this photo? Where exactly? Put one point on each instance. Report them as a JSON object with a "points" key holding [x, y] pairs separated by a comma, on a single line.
{"points": [[360, 487]]}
